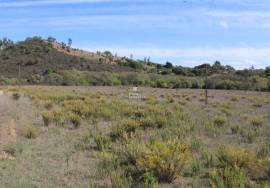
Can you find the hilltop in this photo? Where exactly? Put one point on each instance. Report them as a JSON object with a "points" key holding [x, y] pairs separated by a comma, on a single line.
{"points": [[38, 56]]}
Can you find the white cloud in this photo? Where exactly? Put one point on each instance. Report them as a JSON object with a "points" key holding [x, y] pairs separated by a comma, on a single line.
{"points": [[29, 3], [46, 2], [240, 18], [224, 24]]}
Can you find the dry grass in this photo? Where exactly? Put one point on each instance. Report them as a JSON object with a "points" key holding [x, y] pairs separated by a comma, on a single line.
{"points": [[81, 137]]}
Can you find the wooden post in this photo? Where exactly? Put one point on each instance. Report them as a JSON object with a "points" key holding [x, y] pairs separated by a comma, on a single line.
{"points": [[206, 85], [19, 75]]}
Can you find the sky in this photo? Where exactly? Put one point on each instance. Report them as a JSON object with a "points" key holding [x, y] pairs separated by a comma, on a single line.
{"points": [[184, 32]]}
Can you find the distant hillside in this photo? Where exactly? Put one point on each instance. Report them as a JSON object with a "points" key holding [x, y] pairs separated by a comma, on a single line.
{"points": [[39, 61], [38, 56]]}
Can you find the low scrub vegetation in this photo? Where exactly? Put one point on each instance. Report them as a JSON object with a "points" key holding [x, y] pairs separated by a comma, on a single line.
{"points": [[30, 131], [165, 160], [114, 141]]}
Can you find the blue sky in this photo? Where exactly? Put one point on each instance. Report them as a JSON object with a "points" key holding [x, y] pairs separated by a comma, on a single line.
{"points": [[185, 32]]}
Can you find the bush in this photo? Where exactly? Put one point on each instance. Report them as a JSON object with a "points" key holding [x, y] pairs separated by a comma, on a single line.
{"points": [[257, 122], [74, 119], [74, 77], [153, 122], [108, 163], [47, 118], [133, 151], [119, 180], [234, 98], [248, 135], [264, 150], [231, 156], [102, 142], [48, 104], [30, 131], [195, 145], [227, 178], [10, 149], [127, 126], [16, 96], [235, 129], [219, 121], [266, 167], [165, 160], [149, 181], [208, 159], [195, 166]]}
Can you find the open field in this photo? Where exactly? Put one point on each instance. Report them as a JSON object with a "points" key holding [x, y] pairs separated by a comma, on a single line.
{"points": [[98, 137]]}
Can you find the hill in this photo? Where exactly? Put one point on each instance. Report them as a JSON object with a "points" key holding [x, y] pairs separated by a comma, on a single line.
{"points": [[38, 56], [39, 61]]}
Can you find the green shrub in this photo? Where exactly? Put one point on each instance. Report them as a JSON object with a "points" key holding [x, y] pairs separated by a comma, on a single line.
{"points": [[48, 104], [231, 156], [16, 96], [234, 98], [165, 160], [266, 167], [257, 122], [47, 118], [219, 121], [85, 142], [10, 148], [102, 142], [210, 129], [170, 99], [108, 163], [30, 131], [208, 159], [132, 151], [195, 145], [74, 119], [149, 181], [229, 177], [74, 77], [248, 135], [195, 166], [124, 128], [263, 150], [119, 180], [235, 129], [153, 122]]}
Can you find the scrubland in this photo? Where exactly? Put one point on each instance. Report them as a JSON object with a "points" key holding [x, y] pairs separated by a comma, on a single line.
{"points": [[98, 137]]}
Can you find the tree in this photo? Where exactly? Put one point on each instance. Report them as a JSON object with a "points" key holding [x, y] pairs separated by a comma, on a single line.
{"points": [[179, 70], [107, 53], [200, 69], [69, 42], [229, 68], [5, 43], [217, 66], [267, 72], [1, 43], [63, 45], [268, 84], [148, 60], [51, 39], [168, 65]]}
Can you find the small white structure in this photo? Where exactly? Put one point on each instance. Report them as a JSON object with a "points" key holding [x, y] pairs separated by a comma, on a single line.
{"points": [[134, 93]]}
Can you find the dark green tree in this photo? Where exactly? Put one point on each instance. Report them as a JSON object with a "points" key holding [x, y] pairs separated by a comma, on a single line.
{"points": [[267, 72], [69, 42], [168, 65]]}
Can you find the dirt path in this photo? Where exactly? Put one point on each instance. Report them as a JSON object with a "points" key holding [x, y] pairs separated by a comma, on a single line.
{"points": [[8, 130]]}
